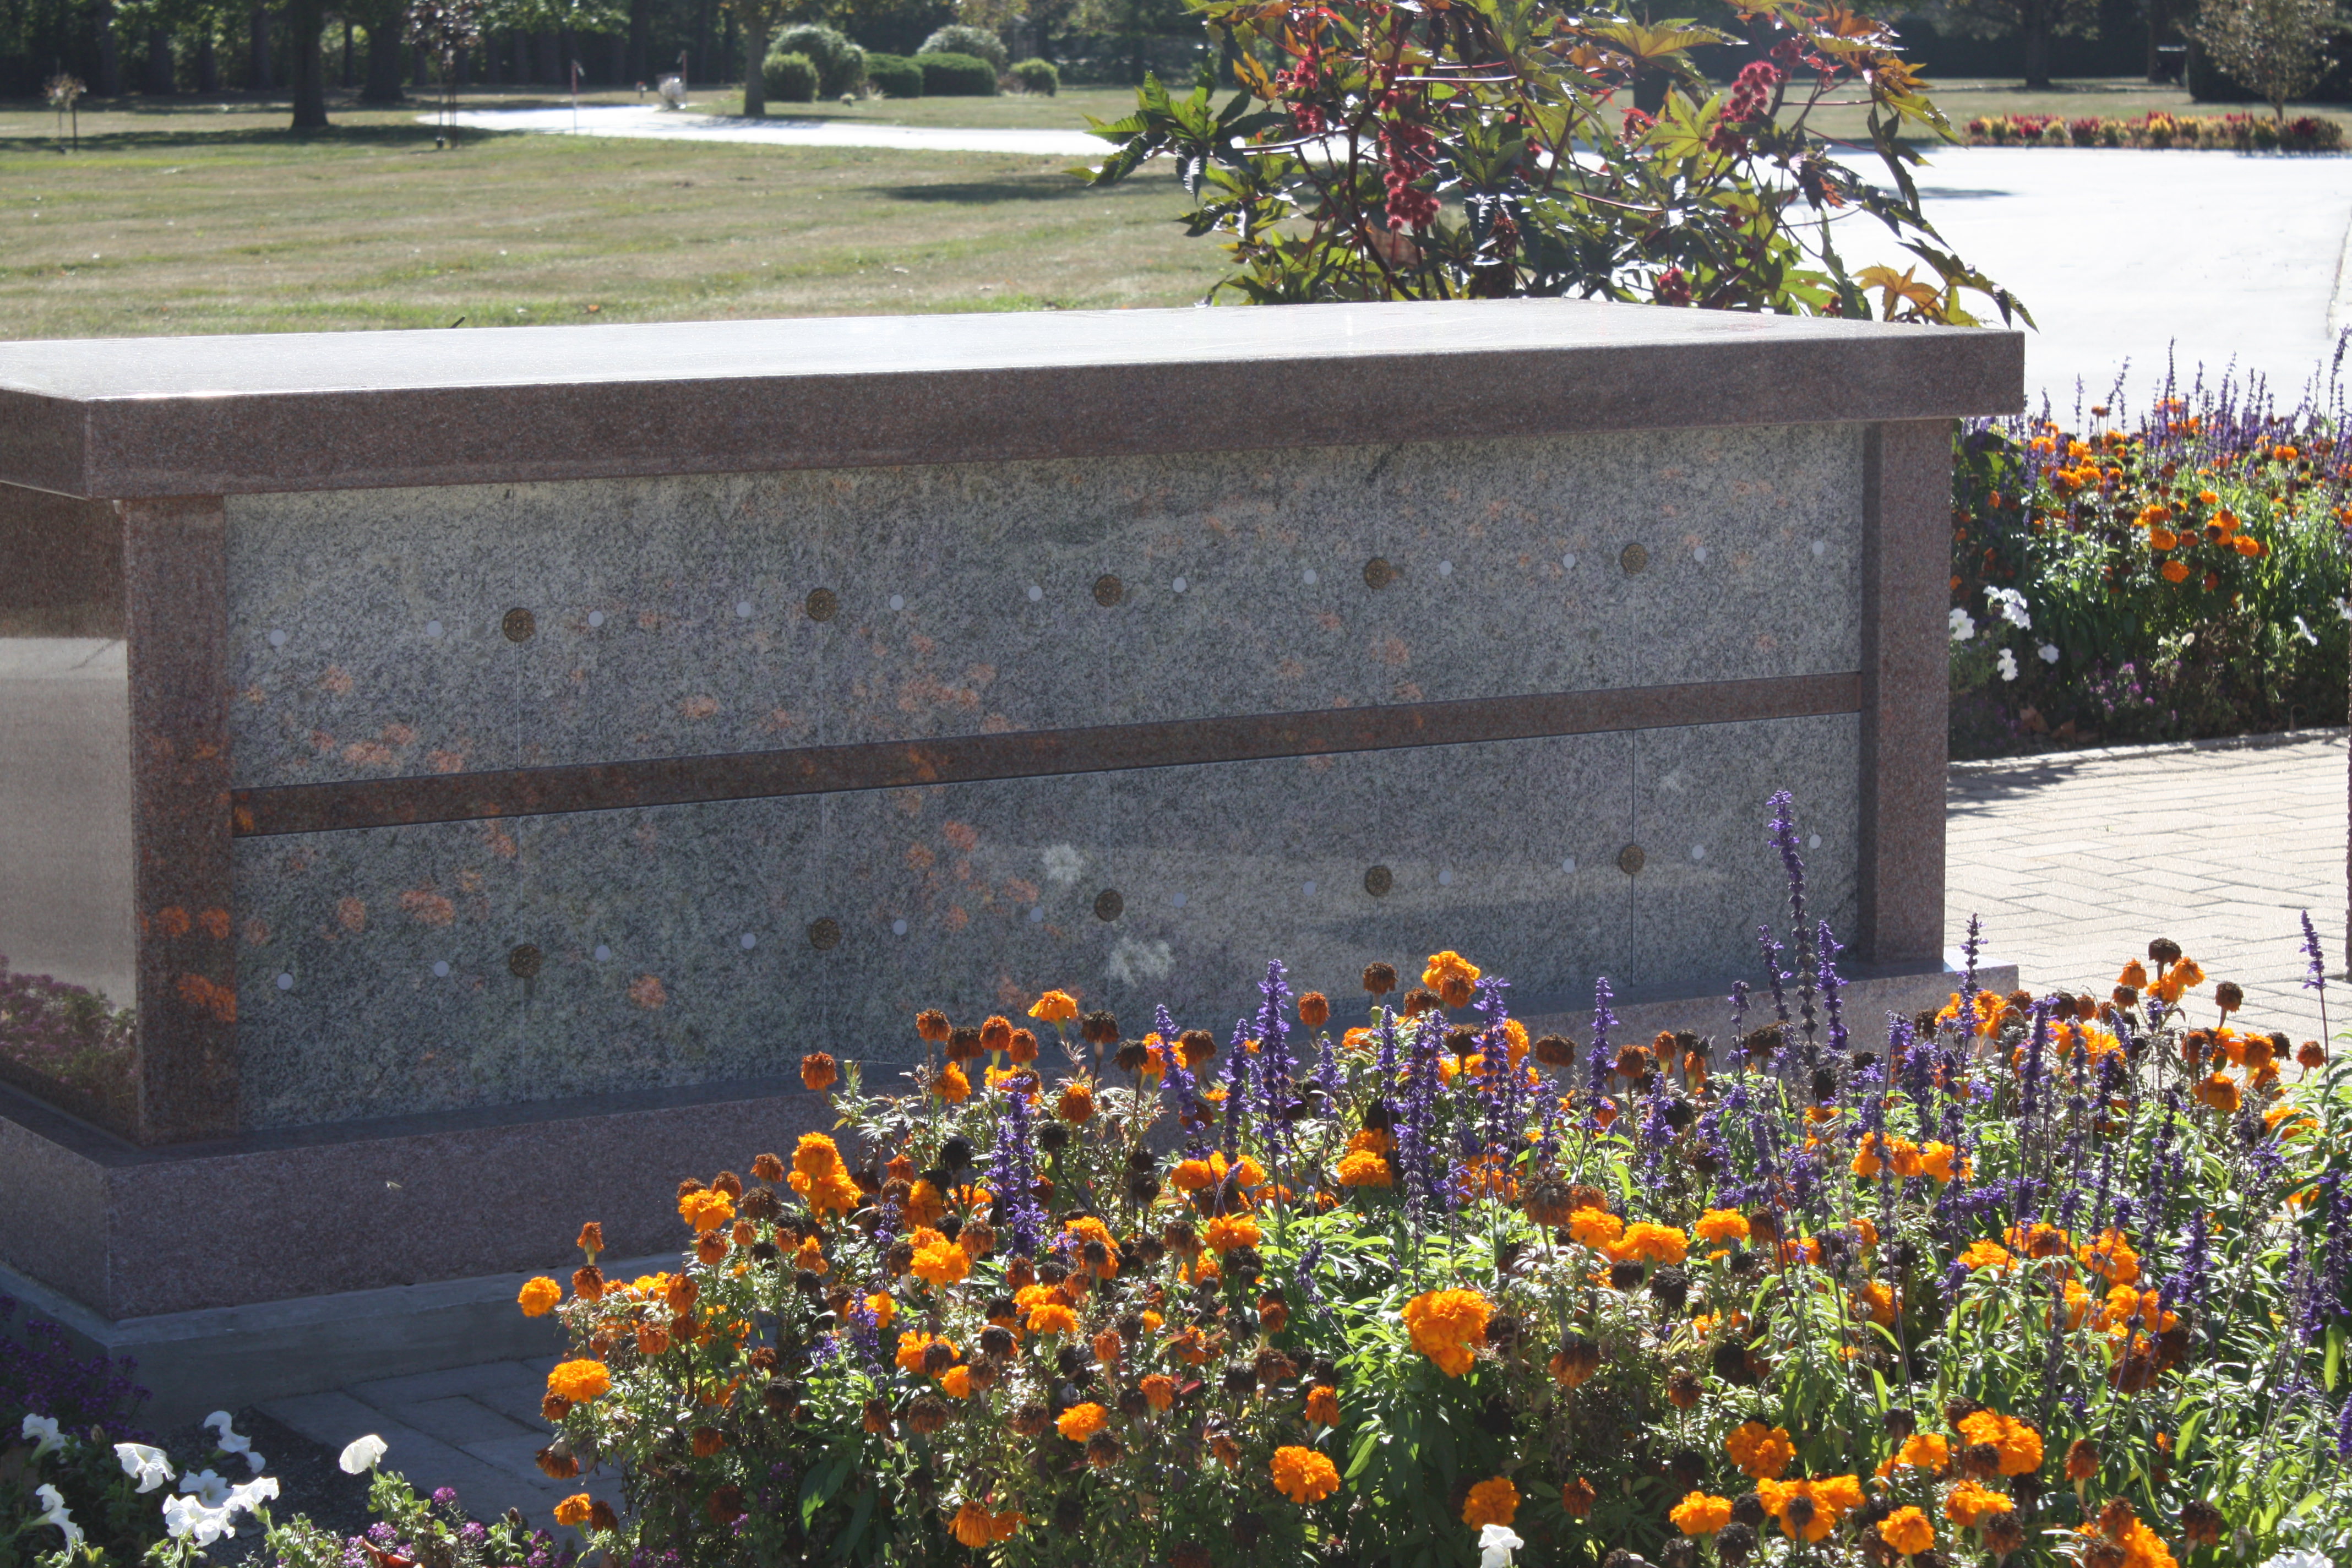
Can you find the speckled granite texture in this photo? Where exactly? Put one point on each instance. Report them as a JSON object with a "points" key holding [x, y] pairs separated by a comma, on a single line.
{"points": [[379, 976], [671, 618]]}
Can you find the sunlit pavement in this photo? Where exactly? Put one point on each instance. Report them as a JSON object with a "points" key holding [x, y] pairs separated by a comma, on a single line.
{"points": [[2075, 860]]}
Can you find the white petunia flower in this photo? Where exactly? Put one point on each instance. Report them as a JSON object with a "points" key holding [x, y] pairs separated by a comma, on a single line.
{"points": [[1963, 624], [53, 1503], [187, 1517], [2049, 652], [232, 1441], [206, 1486], [363, 1455], [1495, 1544], [43, 1431], [2010, 604], [2008, 662], [150, 1466], [251, 1495], [2303, 629]]}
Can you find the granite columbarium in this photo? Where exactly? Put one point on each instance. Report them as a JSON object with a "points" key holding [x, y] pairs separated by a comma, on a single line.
{"points": [[481, 764]]}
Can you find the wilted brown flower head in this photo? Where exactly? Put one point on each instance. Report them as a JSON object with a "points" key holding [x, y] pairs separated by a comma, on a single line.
{"points": [[1380, 979]]}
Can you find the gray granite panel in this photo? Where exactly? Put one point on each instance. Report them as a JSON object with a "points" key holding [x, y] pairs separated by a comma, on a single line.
{"points": [[376, 977], [1710, 875], [366, 624]]}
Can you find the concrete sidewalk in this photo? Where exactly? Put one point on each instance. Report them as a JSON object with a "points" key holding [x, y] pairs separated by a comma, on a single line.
{"points": [[657, 124]]}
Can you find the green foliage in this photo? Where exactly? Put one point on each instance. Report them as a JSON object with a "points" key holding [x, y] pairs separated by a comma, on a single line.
{"points": [[956, 75], [2173, 576], [1484, 150], [1037, 77], [791, 79], [840, 64], [895, 76], [957, 38]]}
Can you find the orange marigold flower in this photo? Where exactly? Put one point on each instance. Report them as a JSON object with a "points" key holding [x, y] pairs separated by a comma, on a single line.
{"points": [[951, 1085], [1596, 1229], [911, 1346], [1722, 1226], [1908, 1531], [1492, 1501], [1159, 1390], [1080, 1422], [1986, 1255], [956, 1381], [1315, 1009], [1699, 1515], [883, 1306], [592, 1240], [996, 1034], [938, 1261], [538, 1297], [579, 1381], [1762, 1452], [1228, 1231], [574, 1510], [2174, 570], [932, 1025], [1302, 1475], [706, 1210], [1323, 1405], [1448, 1326], [1052, 1317], [1077, 1101], [1452, 977], [2019, 1443], [1055, 1007], [973, 1524], [1970, 1504], [925, 1204], [818, 1073], [768, 1167], [1652, 1243], [1363, 1168], [1930, 1451], [1576, 1498]]}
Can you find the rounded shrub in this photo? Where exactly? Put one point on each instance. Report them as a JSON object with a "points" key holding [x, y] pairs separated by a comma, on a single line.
{"points": [[957, 38], [1038, 76], [957, 76], [791, 78], [840, 63], [894, 76]]}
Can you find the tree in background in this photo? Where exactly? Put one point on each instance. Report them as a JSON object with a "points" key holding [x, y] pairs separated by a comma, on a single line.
{"points": [[447, 30], [2277, 49], [2035, 23], [1485, 150], [756, 21], [305, 20], [1133, 25]]}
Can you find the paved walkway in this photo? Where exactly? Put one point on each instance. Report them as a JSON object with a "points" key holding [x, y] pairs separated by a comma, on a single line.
{"points": [[475, 1428], [2075, 861], [778, 131]]}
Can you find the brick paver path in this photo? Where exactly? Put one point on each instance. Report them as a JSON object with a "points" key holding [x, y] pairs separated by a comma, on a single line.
{"points": [[2075, 861]]}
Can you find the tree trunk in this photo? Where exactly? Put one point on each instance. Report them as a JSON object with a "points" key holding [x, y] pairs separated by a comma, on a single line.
{"points": [[420, 67], [755, 79], [259, 48], [109, 55], [2037, 47], [550, 57], [350, 81], [702, 62], [159, 63], [640, 41], [384, 60], [305, 20], [208, 80]]}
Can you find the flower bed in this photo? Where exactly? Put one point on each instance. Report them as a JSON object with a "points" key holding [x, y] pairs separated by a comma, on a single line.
{"points": [[2033, 1277], [2211, 133], [2165, 575]]}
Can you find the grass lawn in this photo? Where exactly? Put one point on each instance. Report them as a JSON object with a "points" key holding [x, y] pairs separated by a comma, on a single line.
{"points": [[184, 217], [153, 229]]}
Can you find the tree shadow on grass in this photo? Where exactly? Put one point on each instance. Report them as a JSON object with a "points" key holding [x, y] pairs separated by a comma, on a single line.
{"points": [[982, 193], [248, 136]]}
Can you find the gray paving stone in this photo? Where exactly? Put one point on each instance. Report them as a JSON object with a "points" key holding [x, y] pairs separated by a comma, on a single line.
{"points": [[458, 1421]]}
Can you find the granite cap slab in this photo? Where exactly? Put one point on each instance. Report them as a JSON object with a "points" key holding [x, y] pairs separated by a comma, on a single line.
{"points": [[126, 417]]}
